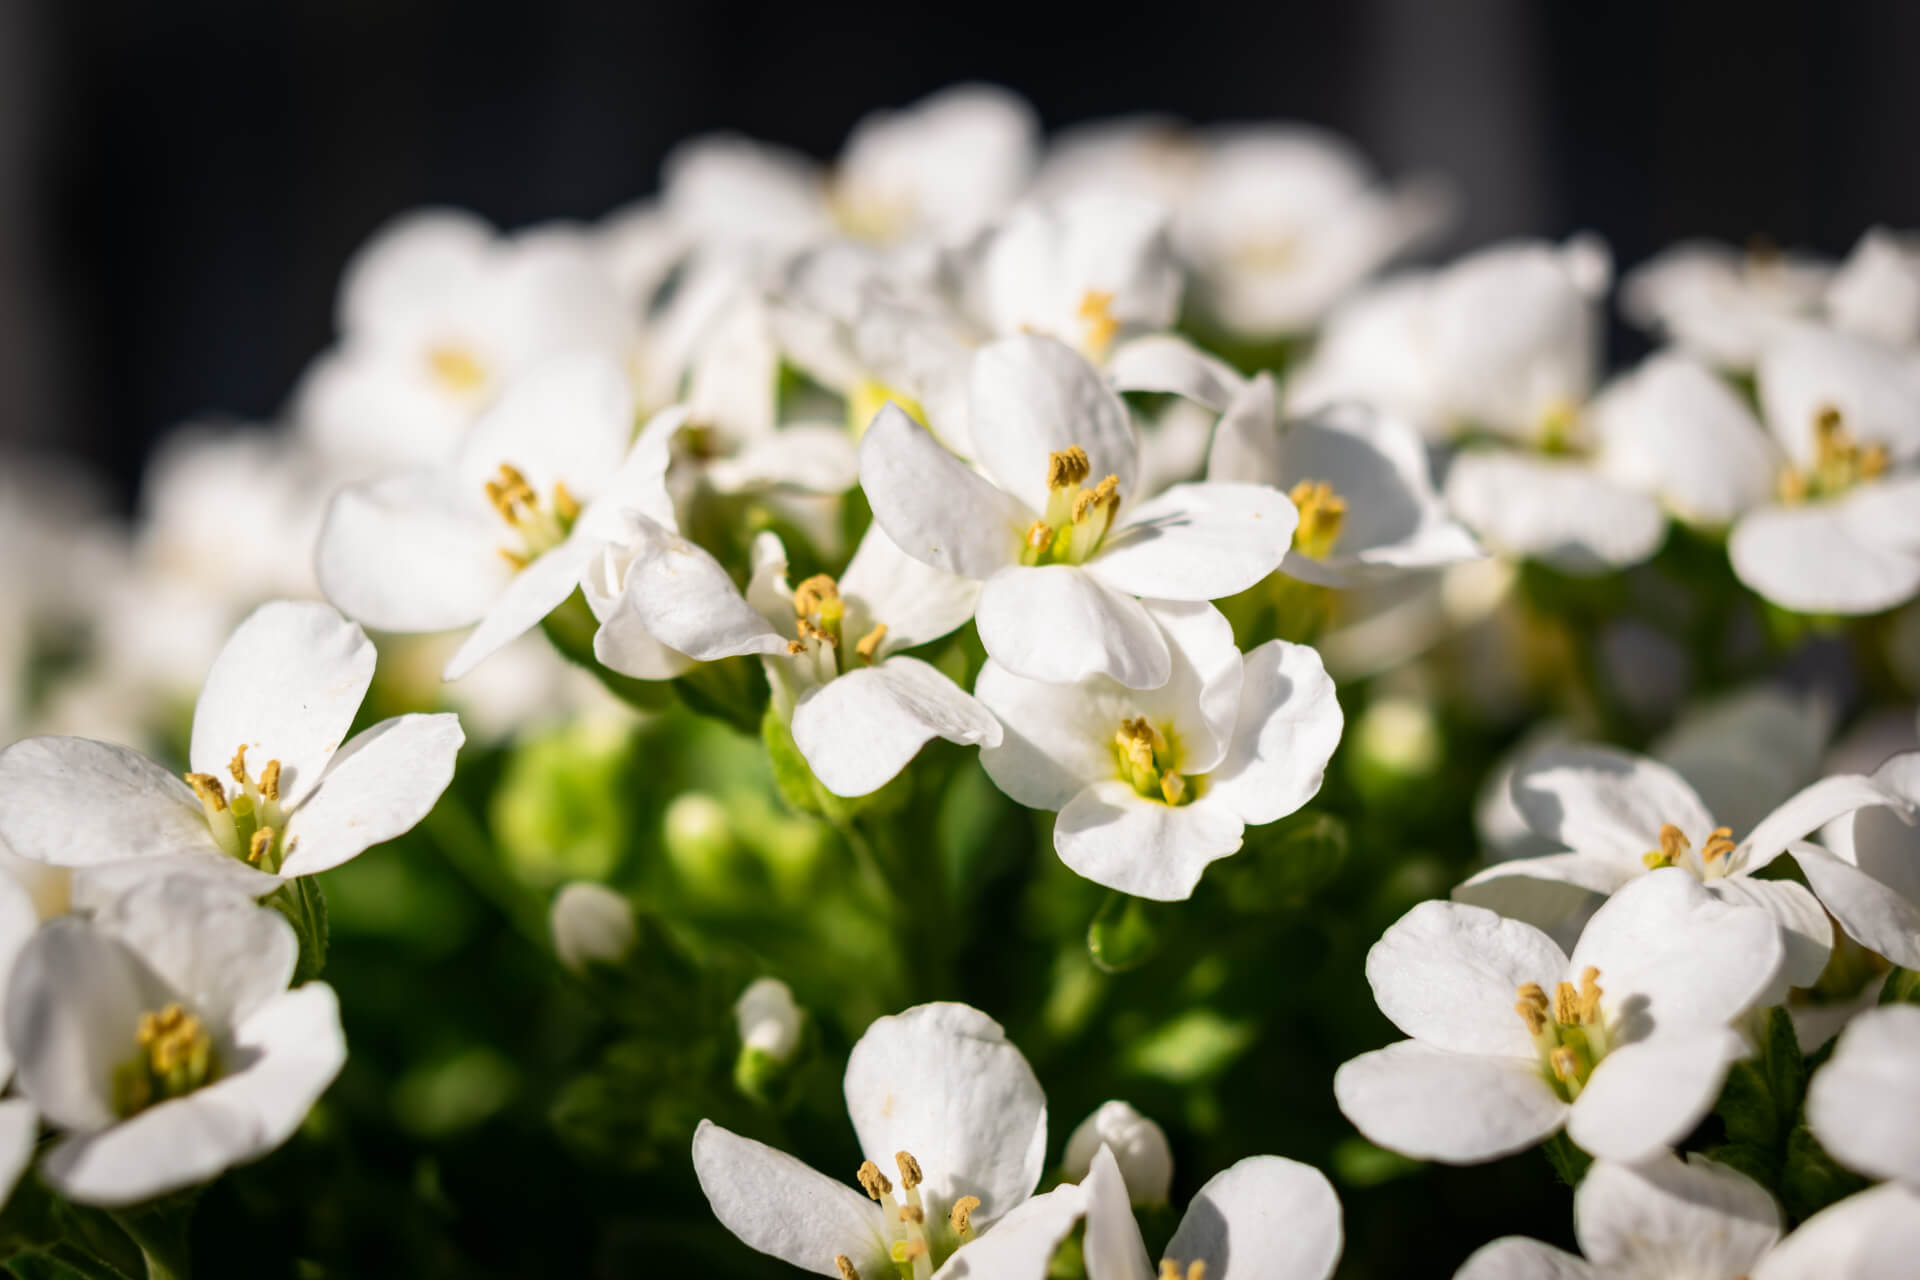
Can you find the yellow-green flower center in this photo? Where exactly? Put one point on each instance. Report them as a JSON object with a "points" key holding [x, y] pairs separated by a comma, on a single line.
{"points": [[1076, 518], [1839, 463], [1149, 760], [915, 1246], [1569, 1032], [1323, 513], [175, 1057], [537, 527], [250, 824]]}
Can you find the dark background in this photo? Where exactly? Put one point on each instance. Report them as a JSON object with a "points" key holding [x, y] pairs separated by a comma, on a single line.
{"points": [[180, 183]]}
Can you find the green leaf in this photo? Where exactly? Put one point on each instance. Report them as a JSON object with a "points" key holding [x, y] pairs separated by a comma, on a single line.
{"points": [[1903, 987], [305, 907], [1761, 1099], [1809, 1178], [794, 777], [1122, 936], [1758, 1163]]}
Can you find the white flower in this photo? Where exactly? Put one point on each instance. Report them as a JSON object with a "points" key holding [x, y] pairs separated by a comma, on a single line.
{"points": [[1678, 432], [1625, 1044], [1746, 751], [1058, 534], [1843, 534], [501, 534], [951, 1122], [1719, 304], [1151, 786], [437, 315], [1871, 1236], [1138, 1146], [1617, 817], [161, 1039], [768, 1019], [1876, 292], [591, 925], [272, 718], [860, 709], [1864, 1104], [1868, 874]]}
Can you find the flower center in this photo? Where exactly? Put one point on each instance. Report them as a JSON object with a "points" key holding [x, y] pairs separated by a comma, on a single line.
{"points": [[866, 211], [818, 616], [1097, 323], [247, 825], [1839, 463], [457, 370], [1149, 763], [1674, 847], [175, 1057], [1322, 515], [1558, 427], [869, 396], [1570, 1032], [1170, 1270], [1272, 251], [539, 527], [1077, 517], [914, 1246]]}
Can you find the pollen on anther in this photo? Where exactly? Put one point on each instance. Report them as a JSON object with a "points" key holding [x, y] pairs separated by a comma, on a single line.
{"points": [[1719, 844], [270, 780], [238, 765], [258, 846], [208, 789], [909, 1169], [870, 643], [873, 1181], [1067, 467], [960, 1218], [847, 1271]]}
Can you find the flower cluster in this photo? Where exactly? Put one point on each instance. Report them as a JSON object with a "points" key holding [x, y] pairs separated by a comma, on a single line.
{"points": [[783, 539]]}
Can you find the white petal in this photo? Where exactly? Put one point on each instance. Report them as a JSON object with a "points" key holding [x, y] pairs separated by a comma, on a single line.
{"points": [[1265, 1218], [1460, 1108], [401, 277], [1804, 926], [1288, 726], [1448, 975], [569, 420], [1884, 841], [1198, 542], [1114, 836], [1810, 369], [94, 887], [1112, 1248], [1606, 803], [916, 601], [684, 599], [1864, 1104], [1677, 431], [818, 459], [1870, 1236], [1556, 893], [285, 687], [1873, 913], [624, 644], [219, 954], [1808, 810], [383, 781], [1060, 624], [1165, 363], [860, 729], [932, 504], [942, 1082], [1886, 513], [1666, 1217], [293, 1048], [1559, 511], [535, 592], [1021, 1245], [73, 1004], [1810, 560], [1246, 442], [1031, 396], [1673, 957], [779, 1206], [403, 554], [1747, 751], [75, 802], [1642, 1098], [19, 918], [1518, 1258], [19, 1128]]}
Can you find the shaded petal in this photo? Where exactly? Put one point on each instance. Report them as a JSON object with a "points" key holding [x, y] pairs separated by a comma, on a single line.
{"points": [[1810, 559], [817, 458], [1518, 1258], [1642, 1098], [401, 554], [1265, 1218], [535, 592], [1556, 893], [286, 687], [1864, 1105], [1112, 1248], [933, 505], [1030, 396], [778, 1205], [1288, 726], [1114, 836], [1809, 809], [218, 953], [942, 1082], [1060, 624], [1871, 1236], [1021, 1245], [386, 779], [1163, 362], [1668, 1217], [860, 729], [73, 1004], [1460, 1108], [569, 420], [1562, 512], [1246, 445], [1804, 926], [19, 1129], [1607, 803], [1676, 430], [1448, 975], [73, 802], [683, 598], [916, 601], [1873, 914], [1198, 542], [1884, 841]]}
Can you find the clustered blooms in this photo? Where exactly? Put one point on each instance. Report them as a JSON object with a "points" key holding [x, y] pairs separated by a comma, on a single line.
{"points": [[930, 446]]}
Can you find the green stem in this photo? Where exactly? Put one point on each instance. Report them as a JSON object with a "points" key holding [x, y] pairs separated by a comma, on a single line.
{"points": [[162, 1234], [467, 847], [79, 1261]]}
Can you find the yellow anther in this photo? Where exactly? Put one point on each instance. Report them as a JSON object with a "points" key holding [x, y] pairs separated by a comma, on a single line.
{"points": [[456, 368], [810, 595], [873, 1181], [270, 780], [909, 1170], [908, 1250], [238, 766], [1173, 788], [1566, 1064], [809, 630], [912, 1213], [1673, 846], [869, 644], [1097, 321], [1322, 515], [1566, 1005], [565, 505], [845, 1264], [1170, 1270], [1719, 844], [1137, 740], [1532, 1007], [1105, 494], [796, 647], [260, 845], [960, 1217], [207, 788], [1590, 994], [1039, 535], [1067, 467], [517, 559], [1839, 461]]}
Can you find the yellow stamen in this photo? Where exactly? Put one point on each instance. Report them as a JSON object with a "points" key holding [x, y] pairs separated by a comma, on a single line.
{"points": [[1067, 467], [1566, 1005], [1173, 787], [869, 644], [1097, 321], [960, 1217], [1039, 535], [1532, 1006], [811, 595], [238, 766], [1719, 844], [270, 780], [1566, 1065], [207, 788], [909, 1170], [1673, 846], [874, 1181], [1323, 513], [456, 368], [565, 505], [259, 846], [845, 1264]]}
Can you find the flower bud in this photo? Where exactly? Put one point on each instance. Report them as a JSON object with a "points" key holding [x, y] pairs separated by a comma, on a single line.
{"points": [[1398, 735], [592, 925], [1139, 1146], [768, 1019]]}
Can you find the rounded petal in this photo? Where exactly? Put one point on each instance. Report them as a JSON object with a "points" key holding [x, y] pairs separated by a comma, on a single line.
{"points": [[1056, 738], [19, 1129], [683, 598], [1673, 957], [1460, 1108], [1031, 396], [1116, 837], [1023, 1243], [1518, 1258], [1747, 751], [933, 505], [73, 1004], [1804, 926], [1886, 513], [1668, 1217], [218, 953], [286, 687], [1198, 542], [779, 1206], [942, 1083], [73, 802], [1606, 803], [1810, 369], [916, 601], [860, 729], [401, 278], [1060, 624], [1136, 1145], [403, 554], [1871, 1236], [1448, 975], [1809, 559], [1556, 893], [1288, 726], [1562, 512], [1674, 429], [1265, 1218], [1165, 363], [816, 458], [1873, 913], [1811, 808], [569, 420], [384, 780], [1644, 1097], [293, 1048], [1864, 1105], [535, 592], [1884, 841]]}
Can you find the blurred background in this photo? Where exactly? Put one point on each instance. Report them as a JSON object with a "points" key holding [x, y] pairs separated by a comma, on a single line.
{"points": [[180, 184]]}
